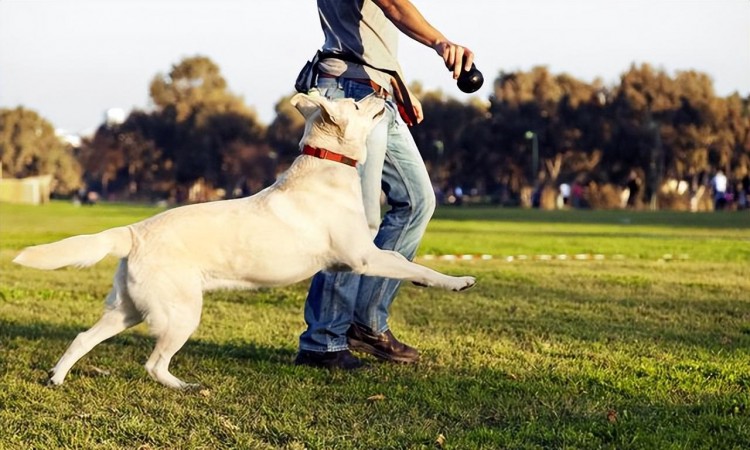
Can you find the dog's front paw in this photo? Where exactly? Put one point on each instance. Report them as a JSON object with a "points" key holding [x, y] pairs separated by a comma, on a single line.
{"points": [[464, 283]]}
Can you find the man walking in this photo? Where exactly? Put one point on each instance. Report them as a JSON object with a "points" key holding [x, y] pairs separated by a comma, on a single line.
{"points": [[346, 311]]}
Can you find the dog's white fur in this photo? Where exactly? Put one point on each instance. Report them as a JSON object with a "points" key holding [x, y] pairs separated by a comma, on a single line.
{"points": [[312, 218]]}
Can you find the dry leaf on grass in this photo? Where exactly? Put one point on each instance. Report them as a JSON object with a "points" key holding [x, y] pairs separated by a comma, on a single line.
{"points": [[226, 423]]}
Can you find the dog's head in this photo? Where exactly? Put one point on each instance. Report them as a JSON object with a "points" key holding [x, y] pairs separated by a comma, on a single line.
{"points": [[341, 126]]}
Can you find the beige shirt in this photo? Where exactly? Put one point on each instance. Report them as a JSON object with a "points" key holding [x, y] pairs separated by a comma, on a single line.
{"points": [[359, 28]]}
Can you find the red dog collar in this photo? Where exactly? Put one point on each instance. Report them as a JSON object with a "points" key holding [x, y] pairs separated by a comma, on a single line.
{"points": [[329, 155]]}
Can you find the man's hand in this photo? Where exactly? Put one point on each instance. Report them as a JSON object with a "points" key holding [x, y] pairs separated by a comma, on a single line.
{"points": [[453, 55], [417, 105]]}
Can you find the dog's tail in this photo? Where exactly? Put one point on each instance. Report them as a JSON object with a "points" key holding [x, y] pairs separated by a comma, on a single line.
{"points": [[80, 251]]}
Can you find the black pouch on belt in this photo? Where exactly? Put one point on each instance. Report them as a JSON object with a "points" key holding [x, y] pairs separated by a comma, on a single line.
{"points": [[308, 76], [308, 79]]}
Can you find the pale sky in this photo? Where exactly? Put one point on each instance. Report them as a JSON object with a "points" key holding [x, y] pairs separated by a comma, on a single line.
{"points": [[71, 60]]}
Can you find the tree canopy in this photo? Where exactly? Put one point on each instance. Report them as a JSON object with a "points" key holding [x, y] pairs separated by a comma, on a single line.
{"points": [[197, 131], [30, 147], [536, 129]]}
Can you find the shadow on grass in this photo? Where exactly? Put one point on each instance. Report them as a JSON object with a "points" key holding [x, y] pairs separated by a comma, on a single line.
{"points": [[477, 406], [248, 351]]}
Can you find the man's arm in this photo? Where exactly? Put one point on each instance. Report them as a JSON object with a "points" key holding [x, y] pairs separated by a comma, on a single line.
{"points": [[410, 21]]}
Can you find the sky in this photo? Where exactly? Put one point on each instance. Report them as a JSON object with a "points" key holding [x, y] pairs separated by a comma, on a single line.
{"points": [[71, 60]]}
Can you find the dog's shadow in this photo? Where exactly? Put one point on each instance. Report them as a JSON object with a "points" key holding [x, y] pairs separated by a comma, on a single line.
{"points": [[137, 341]]}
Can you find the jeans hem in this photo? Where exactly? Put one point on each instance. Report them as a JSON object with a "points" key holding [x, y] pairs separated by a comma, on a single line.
{"points": [[373, 330], [335, 348]]}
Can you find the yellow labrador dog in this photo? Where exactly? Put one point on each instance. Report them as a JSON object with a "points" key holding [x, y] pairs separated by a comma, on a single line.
{"points": [[312, 218]]}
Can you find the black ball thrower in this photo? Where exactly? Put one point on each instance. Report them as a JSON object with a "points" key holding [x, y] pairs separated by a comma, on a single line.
{"points": [[470, 80]]}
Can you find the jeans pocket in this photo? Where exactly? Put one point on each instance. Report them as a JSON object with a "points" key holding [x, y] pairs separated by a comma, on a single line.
{"points": [[357, 90]]}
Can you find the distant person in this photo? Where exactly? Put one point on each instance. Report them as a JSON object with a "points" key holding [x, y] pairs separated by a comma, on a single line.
{"points": [[564, 198], [719, 186], [536, 196], [458, 195], [577, 193], [634, 188], [743, 192], [92, 197]]}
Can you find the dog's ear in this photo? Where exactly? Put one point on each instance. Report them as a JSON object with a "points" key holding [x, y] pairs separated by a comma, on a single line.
{"points": [[308, 104], [304, 104]]}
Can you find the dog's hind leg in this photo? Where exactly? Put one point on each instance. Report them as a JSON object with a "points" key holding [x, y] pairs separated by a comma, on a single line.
{"points": [[172, 325], [119, 315]]}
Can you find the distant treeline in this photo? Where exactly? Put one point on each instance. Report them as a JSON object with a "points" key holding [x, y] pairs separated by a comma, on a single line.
{"points": [[658, 138]]}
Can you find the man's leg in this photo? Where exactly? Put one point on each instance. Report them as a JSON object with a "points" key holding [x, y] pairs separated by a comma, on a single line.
{"points": [[330, 302], [411, 199]]}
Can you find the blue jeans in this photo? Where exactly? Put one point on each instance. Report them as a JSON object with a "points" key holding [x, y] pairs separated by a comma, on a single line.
{"points": [[394, 167]]}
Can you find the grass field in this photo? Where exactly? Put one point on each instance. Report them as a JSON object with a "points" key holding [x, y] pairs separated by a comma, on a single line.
{"points": [[635, 350]]}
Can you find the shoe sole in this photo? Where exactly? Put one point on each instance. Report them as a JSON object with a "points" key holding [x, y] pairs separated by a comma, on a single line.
{"points": [[322, 365], [329, 367], [370, 350]]}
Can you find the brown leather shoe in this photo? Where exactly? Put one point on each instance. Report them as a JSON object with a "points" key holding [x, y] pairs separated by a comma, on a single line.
{"points": [[384, 345]]}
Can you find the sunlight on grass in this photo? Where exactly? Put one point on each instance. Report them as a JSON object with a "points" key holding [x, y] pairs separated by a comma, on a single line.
{"points": [[638, 352]]}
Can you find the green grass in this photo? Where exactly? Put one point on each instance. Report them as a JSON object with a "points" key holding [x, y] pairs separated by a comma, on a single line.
{"points": [[637, 352]]}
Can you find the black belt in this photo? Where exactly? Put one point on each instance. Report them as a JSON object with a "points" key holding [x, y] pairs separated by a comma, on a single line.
{"points": [[406, 109]]}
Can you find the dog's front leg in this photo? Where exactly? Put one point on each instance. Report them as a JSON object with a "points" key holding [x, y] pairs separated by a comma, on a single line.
{"points": [[390, 264]]}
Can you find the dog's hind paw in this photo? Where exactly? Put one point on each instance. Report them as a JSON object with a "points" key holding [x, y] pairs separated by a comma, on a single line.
{"points": [[51, 382]]}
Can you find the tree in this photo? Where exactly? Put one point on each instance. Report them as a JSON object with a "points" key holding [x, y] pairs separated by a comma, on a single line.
{"points": [[125, 158], [564, 115], [29, 147], [285, 131], [195, 90], [676, 127], [198, 131], [207, 124], [450, 140]]}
